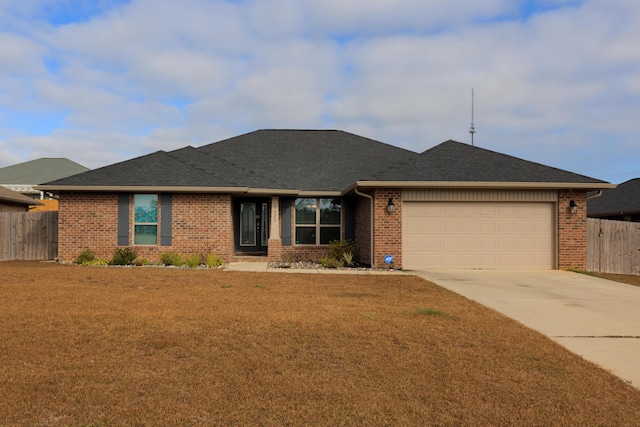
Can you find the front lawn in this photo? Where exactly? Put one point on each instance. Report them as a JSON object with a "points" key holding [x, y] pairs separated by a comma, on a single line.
{"points": [[150, 346]]}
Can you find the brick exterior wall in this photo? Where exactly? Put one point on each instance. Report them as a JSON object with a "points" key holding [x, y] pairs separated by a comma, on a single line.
{"points": [[201, 223], [363, 229], [387, 226], [204, 223], [572, 230], [87, 221]]}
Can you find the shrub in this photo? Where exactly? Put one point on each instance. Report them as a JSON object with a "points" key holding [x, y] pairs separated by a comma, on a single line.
{"points": [[172, 258], [193, 261], [344, 251], [123, 256], [330, 262], [213, 261], [85, 257], [290, 257], [140, 262]]}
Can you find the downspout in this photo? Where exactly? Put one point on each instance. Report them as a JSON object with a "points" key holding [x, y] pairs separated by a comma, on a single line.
{"points": [[593, 196], [371, 199]]}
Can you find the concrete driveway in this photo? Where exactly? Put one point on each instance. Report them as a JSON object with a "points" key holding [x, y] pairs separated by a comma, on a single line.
{"points": [[595, 318]]}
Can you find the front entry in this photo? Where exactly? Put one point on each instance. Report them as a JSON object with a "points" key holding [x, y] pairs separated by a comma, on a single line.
{"points": [[251, 226]]}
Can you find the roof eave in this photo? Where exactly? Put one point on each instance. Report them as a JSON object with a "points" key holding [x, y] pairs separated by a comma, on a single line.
{"points": [[603, 215], [141, 189], [17, 201], [181, 189], [484, 184]]}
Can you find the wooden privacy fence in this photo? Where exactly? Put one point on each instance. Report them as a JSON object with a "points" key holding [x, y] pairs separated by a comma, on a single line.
{"points": [[613, 246], [28, 235]]}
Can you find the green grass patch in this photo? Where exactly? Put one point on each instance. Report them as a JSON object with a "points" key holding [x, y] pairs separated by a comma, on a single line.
{"points": [[426, 311]]}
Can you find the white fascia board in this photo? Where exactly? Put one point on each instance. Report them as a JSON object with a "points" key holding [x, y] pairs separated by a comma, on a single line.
{"points": [[484, 184]]}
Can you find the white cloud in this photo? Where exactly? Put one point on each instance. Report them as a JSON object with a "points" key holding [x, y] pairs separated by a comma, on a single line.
{"points": [[561, 87]]}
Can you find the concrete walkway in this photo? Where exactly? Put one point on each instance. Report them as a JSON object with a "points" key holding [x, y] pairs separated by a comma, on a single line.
{"points": [[595, 318]]}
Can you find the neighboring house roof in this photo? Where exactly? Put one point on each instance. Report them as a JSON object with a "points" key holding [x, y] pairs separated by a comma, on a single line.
{"points": [[622, 200], [306, 161], [9, 196], [22, 177], [39, 171]]}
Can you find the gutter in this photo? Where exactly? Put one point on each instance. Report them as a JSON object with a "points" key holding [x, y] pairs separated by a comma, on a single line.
{"points": [[164, 189], [355, 189], [486, 184]]}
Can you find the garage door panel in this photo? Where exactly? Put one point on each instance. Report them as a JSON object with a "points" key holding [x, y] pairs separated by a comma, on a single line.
{"points": [[449, 243], [484, 235], [487, 226]]}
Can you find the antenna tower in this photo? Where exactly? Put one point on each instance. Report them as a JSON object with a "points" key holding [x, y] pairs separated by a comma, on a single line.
{"points": [[472, 129]]}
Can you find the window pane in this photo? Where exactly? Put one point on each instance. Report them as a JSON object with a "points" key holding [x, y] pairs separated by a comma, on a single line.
{"points": [[305, 211], [145, 208], [248, 224], [330, 211], [264, 224], [305, 235], [328, 234], [146, 235]]}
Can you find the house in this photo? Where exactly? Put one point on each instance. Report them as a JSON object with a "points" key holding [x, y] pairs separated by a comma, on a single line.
{"points": [[273, 193], [10, 201], [620, 204], [23, 177]]}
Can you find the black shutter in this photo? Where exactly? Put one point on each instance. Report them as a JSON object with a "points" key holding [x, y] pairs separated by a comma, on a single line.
{"points": [[123, 219], [285, 220], [166, 203]]}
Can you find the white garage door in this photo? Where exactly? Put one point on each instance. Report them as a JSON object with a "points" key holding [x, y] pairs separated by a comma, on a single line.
{"points": [[478, 235]]}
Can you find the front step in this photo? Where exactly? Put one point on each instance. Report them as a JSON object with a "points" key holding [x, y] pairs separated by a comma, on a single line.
{"points": [[248, 258]]}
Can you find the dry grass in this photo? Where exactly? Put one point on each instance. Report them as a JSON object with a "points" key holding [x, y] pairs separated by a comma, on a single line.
{"points": [[145, 346], [623, 278]]}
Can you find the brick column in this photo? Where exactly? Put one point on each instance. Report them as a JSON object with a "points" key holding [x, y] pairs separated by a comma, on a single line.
{"points": [[275, 241], [572, 230], [387, 227]]}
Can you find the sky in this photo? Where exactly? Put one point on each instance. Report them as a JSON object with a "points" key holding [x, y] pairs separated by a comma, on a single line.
{"points": [[101, 81]]}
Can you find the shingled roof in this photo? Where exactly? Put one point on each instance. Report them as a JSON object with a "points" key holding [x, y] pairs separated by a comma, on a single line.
{"points": [[39, 171], [328, 161], [622, 200], [454, 161]]}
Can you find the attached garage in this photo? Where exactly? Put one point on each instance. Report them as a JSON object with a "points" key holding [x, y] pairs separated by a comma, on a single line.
{"points": [[473, 230]]}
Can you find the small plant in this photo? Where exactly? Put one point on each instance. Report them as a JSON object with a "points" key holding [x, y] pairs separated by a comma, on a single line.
{"points": [[290, 257], [193, 261], [348, 258], [330, 262], [86, 256], [172, 258], [96, 262], [123, 256], [213, 261], [139, 262]]}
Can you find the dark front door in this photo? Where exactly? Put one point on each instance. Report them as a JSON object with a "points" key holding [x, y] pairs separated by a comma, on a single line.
{"points": [[252, 226]]}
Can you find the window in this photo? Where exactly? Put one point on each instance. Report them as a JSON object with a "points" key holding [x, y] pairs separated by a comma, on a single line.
{"points": [[317, 221], [145, 219]]}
